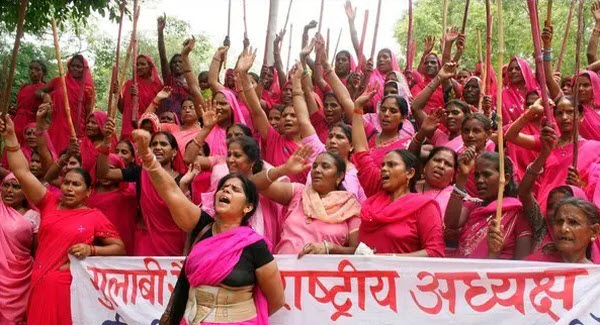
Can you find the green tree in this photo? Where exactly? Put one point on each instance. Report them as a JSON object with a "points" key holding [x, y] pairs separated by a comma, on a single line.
{"points": [[427, 20]]}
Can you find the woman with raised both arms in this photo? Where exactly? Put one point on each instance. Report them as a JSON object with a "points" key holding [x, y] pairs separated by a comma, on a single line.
{"points": [[68, 226]]}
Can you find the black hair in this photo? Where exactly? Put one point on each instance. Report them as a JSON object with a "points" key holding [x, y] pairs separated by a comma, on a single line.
{"points": [[435, 150], [329, 94], [510, 189], [188, 98], [173, 58], [346, 53], [77, 57], [205, 148], [254, 76], [570, 98], [244, 127], [389, 52], [249, 190], [42, 65], [345, 128], [410, 161], [203, 74], [251, 149], [340, 165], [464, 107], [129, 145], [400, 101], [86, 176], [170, 138], [589, 209], [280, 108], [487, 123], [75, 155]]}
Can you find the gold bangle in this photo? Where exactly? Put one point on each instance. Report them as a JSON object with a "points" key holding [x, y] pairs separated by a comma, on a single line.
{"points": [[217, 59], [297, 93], [12, 148]]}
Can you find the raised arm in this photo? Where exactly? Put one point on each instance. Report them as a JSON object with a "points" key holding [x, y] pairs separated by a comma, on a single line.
{"points": [[445, 73], [162, 52], [41, 126], [281, 192], [339, 90], [190, 77], [160, 96], [281, 73], [460, 48], [300, 107], [184, 212], [351, 14], [215, 66], [553, 86], [592, 49], [306, 82], [514, 135], [209, 120], [103, 169], [359, 136], [258, 115], [32, 187], [449, 37], [455, 215]]}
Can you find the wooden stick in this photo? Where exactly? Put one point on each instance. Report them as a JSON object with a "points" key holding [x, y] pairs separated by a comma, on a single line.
{"points": [[464, 22], [13, 60], [321, 15], [479, 53], [287, 17], [362, 38], [409, 36], [327, 42], [336, 47], [287, 66], [413, 50], [548, 21], [3, 77], [374, 46], [123, 71], [444, 20], [245, 25], [502, 181], [265, 55], [62, 79], [488, 55], [541, 75], [111, 111], [134, 49], [229, 18], [577, 67], [564, 42]]}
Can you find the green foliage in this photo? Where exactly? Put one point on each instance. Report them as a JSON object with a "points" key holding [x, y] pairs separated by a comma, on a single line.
{"points": [[427, 20], [39, 12]]}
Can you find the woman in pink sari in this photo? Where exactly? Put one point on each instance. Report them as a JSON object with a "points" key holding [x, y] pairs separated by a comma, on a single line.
{"points": [[225, 255], [118, 202], [438, 174], [94, 137], [394, 220], [27, 102], [67, 226], [589, 96], [467, 222], [18, 231], [157, 235], [521, 81], [575, 227], [148, 85], [80, 93]]}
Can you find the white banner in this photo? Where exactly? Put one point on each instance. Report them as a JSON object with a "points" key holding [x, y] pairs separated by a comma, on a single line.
{"points": [[359, 290]]}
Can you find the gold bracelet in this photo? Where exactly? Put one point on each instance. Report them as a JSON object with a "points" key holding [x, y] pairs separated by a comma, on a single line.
{"points": [[12, 148], [297, 93]]}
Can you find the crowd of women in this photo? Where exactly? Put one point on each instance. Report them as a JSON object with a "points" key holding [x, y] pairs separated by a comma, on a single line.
{"points": [[323, 159]]}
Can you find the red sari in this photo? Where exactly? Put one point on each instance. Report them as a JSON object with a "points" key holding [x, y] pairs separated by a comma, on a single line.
{"points": [[513, 99], [406, 225], [437, 98], [87, 149], [472, 242], [589, 128], [50, 301], [27, 106], [147, 90], [272, 96], [80, 93]]}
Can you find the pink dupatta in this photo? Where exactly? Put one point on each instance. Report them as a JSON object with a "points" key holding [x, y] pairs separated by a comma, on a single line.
{"points": [[217, 138], [437, 98], [88, 150], [589, 128], [379, 78], [512, 98], [272, 95], [27, 105], [212, 260]]}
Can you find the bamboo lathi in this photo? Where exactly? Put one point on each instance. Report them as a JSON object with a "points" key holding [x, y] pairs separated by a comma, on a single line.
{"points": [[577, 68], [321, 15], [13, 60], [337, 44], [464, 22], [111, 111], [287, 66], [134, 54], [362, 39], [502, 181], [374, 45], [62, 79], [566, 36], [409, 36]]}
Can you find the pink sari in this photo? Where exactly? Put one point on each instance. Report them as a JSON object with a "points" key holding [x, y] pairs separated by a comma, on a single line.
{"points": [[589, 128], [119, 206], [492, 83], [472, 242], [217, 138], [147, 90], [272, 95], [80, 92], [27, 105], [441, 197], [437, 98], [183, 137], [520, 156], [49, 301], [378, 151], [26, 149], [87, 149], [16, 261], [379, 78], [512, 98], [212, 260]]}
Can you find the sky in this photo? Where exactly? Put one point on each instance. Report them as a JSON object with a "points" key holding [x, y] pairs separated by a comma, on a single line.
{"points": [[213, 22]]}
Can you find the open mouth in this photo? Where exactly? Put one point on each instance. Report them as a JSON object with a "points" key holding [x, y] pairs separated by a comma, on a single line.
{"points": [[224, 200], [564, 238]]}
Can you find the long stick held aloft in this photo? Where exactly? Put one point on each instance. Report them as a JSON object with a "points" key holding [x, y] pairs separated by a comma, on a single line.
{"points": [[62, 79], [13, 59], [321, 15], [444, 19], [541, 75], [502, 181], [548, 21], [362, 39], [577, 67], [265, 55], [245, 25], [409, 36], [479, 51], [287, 66], [374, 46], [464, 22], [112, 110], [287, 16], [564, 42], [229, 18], [134, 54], [336, 47]]}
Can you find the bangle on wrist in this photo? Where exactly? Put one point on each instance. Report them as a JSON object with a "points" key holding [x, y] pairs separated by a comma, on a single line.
{"points": [[359, 111], [216, 59], [104, 149], [327, 72], [297, 93], [267, 174], [459, 191], [12, 148], [39, 132], [326, 247]]}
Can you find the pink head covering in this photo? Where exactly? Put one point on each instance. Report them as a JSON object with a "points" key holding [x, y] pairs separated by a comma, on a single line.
{"points": [[528, 76], [492, 82], [421, 68], [379, 78], [155, 78], [350, 59], [595, 80], [240, 114], [152, 118], [272, 95]]}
